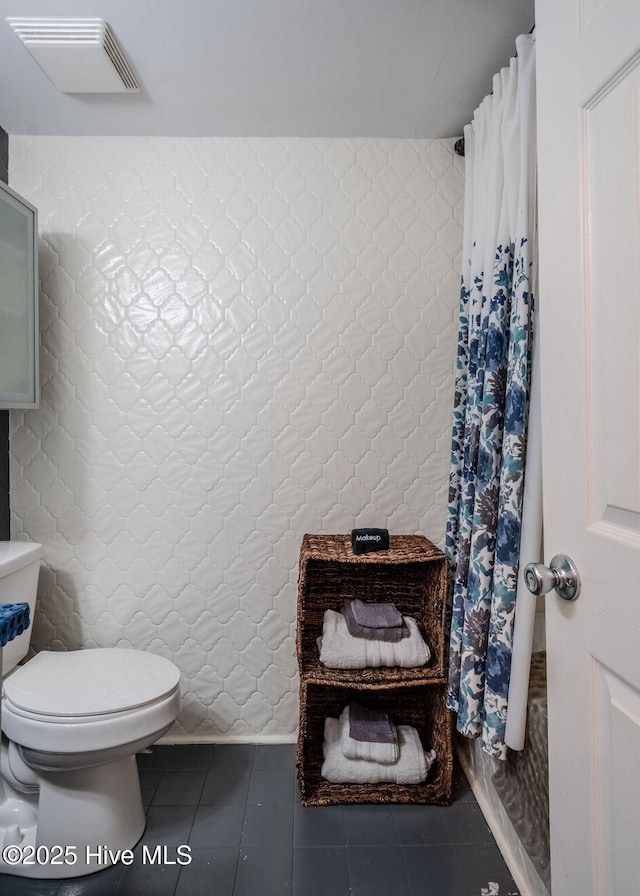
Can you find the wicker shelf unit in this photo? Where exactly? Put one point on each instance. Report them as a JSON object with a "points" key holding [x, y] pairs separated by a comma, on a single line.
{"points": [[412, 574]]}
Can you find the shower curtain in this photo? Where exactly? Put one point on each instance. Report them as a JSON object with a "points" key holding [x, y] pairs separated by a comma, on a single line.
{"points": [[491, 399]]}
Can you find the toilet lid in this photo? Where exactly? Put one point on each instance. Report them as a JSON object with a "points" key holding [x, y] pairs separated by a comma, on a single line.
{"points": [[90, 682]]}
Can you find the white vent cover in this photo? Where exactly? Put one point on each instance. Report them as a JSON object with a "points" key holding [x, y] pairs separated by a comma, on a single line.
{"points": [[78, 55]]}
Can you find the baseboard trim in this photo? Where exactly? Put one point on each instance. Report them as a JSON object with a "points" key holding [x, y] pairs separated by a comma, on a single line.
{"points": [[174, 739], [524, 874]]}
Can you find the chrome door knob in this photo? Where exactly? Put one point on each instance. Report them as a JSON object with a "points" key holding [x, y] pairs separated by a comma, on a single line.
{"points": [[561, 575]]}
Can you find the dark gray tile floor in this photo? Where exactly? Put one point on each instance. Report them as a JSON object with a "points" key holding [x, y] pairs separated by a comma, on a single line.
{"points": [[237, 809]]}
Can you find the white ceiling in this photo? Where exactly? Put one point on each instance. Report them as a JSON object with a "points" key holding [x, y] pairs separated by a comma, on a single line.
{"points": [[323, 68]]}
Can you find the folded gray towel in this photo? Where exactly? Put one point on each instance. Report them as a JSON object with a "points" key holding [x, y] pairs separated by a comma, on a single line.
{"points": [[371, 725], [373, 634], [339, 650], [412, 766], [364, 749], [376, 615]]}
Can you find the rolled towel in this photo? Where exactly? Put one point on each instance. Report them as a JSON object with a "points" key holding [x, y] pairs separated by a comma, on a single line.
{"points": [[361, 748], [339, 650], [372, 634], [14, 619], [376, 615], [412, 766]]}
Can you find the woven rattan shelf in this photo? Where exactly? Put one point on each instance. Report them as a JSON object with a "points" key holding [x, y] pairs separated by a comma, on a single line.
{"points": [[413, 575]]}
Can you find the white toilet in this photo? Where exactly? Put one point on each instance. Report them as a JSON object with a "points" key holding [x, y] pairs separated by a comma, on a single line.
{"points": [[72, 723]]}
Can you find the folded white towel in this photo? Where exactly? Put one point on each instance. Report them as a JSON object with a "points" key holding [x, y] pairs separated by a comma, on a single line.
{"points": [[412, 766], [365, 749], [340, 650]]}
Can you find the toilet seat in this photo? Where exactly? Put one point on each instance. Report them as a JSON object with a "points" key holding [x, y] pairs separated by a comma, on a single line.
{"points": [[89, 700], [92, 683]]}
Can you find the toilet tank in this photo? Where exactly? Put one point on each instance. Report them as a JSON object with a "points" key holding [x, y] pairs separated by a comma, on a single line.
{"points": [[19, 569]]}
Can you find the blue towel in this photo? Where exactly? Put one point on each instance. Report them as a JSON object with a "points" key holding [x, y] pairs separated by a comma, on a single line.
{"points": [[14, 619]]}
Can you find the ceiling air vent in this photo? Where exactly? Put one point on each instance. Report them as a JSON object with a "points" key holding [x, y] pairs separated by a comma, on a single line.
{"points": [[78, 55]]}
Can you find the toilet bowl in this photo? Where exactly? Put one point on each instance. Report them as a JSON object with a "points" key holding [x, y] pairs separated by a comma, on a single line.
{"points": [[72, 723]]}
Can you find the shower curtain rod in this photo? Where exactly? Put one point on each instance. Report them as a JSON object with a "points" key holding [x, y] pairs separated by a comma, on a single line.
{"points": [[458, 146]]}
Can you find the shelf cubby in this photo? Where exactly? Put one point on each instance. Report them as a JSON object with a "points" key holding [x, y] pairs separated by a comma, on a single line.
{"points": [[412, 574]]}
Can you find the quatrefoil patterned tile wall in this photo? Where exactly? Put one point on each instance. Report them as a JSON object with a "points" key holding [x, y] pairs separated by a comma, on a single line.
{"points": [[242, 341]]}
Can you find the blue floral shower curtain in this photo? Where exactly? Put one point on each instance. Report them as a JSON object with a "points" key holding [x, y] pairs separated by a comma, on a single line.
{"points": [[491, 398]]}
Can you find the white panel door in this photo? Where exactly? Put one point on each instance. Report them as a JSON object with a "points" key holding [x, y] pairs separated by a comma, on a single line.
{"points": [[588, 63]]}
